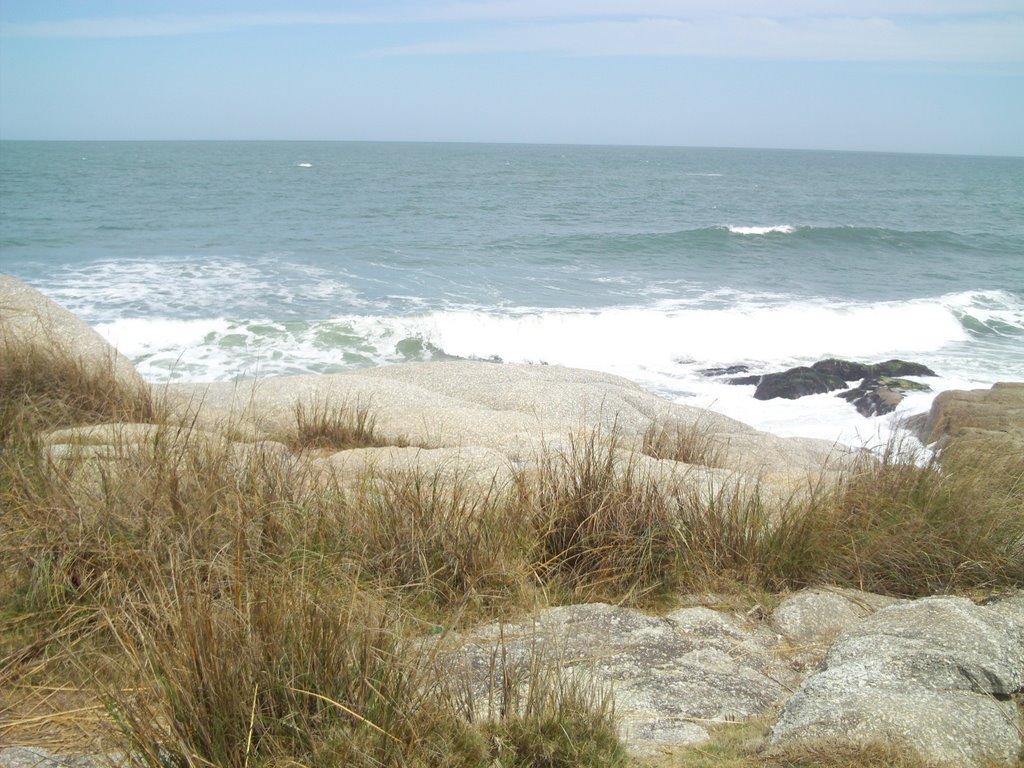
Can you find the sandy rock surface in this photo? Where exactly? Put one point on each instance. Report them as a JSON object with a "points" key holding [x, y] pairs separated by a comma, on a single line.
{"points": [[507, 413], [27, 315], [997, 413]]}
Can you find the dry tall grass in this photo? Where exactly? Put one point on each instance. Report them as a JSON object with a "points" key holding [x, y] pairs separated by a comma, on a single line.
{"points": [[339, 426], [691, 444], [235, 614], [45, 386], [599, 524]]}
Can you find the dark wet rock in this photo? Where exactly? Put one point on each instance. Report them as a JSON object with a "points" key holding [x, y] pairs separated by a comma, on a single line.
{"points": [[728, 371], [880, 391], [851, 371], [844, 369], [901, 368], [745, 380], [880, 395], [935, 675], [797, 382]]}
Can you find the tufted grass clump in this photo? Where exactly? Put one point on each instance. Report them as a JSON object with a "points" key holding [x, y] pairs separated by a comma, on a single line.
{"points": [[599, 524], [693, 443], [320, 425], [269, 666], [436, 539], [911, 528]]}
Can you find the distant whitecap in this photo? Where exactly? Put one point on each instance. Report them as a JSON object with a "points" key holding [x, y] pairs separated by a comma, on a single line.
{"points": [[784, 229], [303, 165]]}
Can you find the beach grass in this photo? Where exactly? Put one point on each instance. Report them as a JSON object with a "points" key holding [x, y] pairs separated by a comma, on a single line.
{"points": [[320, 425], [600, 527], [224, 607], [693, 443]]}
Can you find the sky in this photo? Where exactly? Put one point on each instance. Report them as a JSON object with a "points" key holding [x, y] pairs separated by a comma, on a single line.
{"points": [[936, 76]]}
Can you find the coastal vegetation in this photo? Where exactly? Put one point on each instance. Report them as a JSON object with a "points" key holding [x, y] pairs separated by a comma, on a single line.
{"points": [[201, 601]]}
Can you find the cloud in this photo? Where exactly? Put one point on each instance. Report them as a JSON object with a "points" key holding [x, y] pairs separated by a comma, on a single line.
{"points": [[940, 30], [681, 9], [861, 39], [163, 26]]}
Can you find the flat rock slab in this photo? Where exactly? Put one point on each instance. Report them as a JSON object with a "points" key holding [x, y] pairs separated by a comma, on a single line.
{"points": [[516, 412], [37, 757], [934, 674], [816, 616], [670, 676]]}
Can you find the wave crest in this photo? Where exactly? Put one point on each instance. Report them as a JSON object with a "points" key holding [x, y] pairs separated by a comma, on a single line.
{"points": [[782, 229]]}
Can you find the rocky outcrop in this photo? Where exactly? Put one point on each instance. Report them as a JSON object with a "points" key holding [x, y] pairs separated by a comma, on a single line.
{"points": [[995, 414], [880, 395], [513, 413], [934, 675], [29, 317], [797, 382], [671, 677], [469, 417], [881, 389]]}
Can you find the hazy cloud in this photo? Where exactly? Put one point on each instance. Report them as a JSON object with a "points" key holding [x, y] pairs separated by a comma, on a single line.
{"points": [[942, 30], [873, 38], [162, 26]]}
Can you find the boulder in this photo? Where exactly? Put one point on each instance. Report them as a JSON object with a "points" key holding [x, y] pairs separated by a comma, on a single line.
{"points": [[999, 409], [669, 676], [881, 394], [797, 382], [816, 616], [935, 675], [29, 317]]}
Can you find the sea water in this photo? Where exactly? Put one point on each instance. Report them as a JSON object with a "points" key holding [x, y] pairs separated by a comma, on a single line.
{"points": [[214, 261]]}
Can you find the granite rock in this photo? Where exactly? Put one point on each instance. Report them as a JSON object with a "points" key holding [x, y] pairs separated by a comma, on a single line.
{"points": [[934, 674]]}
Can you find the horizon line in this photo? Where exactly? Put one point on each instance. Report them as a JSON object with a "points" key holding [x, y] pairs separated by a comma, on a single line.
{"points": [[623, 145]]}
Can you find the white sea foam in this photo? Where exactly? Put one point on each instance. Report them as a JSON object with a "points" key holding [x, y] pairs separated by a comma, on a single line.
{"points": [[784, 229], [757, 333], [661, 335], [664, 347], [105, 291], [303, 165], [1000, 312]]}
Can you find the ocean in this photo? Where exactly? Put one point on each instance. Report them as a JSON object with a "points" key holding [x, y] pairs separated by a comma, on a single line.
{"points": [[214, 261]]}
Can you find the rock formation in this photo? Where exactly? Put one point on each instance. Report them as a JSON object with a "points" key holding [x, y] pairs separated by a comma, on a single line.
{"points": [[27, 316], [993, 415], [881, 389], [934, 675]]}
